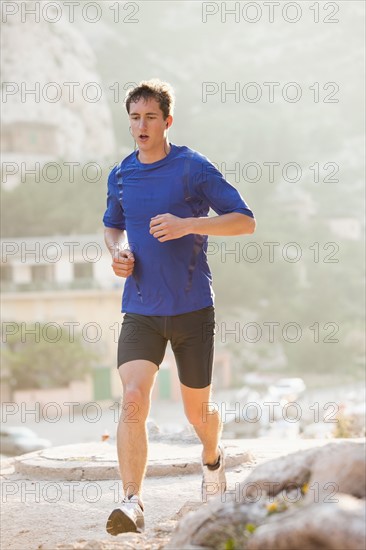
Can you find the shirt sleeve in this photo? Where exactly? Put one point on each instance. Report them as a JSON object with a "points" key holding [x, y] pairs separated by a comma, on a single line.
{"points": [[114, 215], [221, 196]]}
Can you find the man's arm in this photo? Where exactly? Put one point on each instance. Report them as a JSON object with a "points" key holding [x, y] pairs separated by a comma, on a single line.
{"points": [[114, 239], [166, 227], [123, 259], [233, 223]]}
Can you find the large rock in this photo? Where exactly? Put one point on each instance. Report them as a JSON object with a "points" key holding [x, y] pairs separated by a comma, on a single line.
{"points": [[306, 500], [342, 465], [338, 467], [215, 523], [43, 52], [329, 526]]}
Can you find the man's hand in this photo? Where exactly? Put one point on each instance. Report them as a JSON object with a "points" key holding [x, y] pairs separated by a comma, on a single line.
{"points": [[123, 263], [166, 227]]}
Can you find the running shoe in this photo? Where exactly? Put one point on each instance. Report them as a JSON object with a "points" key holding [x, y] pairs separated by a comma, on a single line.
{"points": [[213, 478], [129, 517]]}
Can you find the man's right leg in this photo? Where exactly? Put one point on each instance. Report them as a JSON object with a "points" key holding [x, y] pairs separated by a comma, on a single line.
{"points": [[138, 379], [141, 336]]}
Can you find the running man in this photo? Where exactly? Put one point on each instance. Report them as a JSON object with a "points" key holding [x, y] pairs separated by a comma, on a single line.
{"points": [[160, 195]]}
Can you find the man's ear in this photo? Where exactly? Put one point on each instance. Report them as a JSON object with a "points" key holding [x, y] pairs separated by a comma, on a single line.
{"points": [[168, 121]]}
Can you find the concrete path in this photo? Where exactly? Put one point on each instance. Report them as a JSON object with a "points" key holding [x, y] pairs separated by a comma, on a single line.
{"points": [[98, 461]]}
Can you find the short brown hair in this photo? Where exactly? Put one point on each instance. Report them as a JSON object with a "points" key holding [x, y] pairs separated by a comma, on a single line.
{"points": [[161, 91]]}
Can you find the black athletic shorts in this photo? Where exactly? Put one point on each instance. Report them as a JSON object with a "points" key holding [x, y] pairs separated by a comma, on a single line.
{"points": [[191, 336]]}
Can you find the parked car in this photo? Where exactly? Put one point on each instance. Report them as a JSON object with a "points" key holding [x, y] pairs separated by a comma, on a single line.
{"points": [[19, 440]]}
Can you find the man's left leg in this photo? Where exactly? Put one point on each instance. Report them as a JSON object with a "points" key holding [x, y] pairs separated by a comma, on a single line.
{"points": [[193, 347], [205, 419]]}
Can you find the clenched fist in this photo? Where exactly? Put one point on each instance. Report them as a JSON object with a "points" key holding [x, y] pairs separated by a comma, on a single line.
{"points": [[165, 227], [123, 263]]}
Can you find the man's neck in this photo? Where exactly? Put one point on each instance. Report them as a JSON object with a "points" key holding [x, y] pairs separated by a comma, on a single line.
{"points": [[149, 157]]}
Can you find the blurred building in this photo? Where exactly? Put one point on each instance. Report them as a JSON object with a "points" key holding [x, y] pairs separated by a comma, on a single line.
{"points": [[30, 137], [67, 280]]}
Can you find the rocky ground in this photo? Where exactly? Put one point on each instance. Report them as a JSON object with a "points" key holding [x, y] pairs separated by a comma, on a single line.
{"points": [[52, 514]]}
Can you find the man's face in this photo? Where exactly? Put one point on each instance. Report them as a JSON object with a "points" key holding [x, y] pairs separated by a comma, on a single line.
{"points": [[148, 126]]}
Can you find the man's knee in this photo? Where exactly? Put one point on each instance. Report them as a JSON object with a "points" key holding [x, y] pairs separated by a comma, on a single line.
{"points": [[135, 403]]}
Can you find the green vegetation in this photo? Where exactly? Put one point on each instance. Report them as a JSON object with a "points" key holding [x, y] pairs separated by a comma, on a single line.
{"points": [[50, 361]]}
